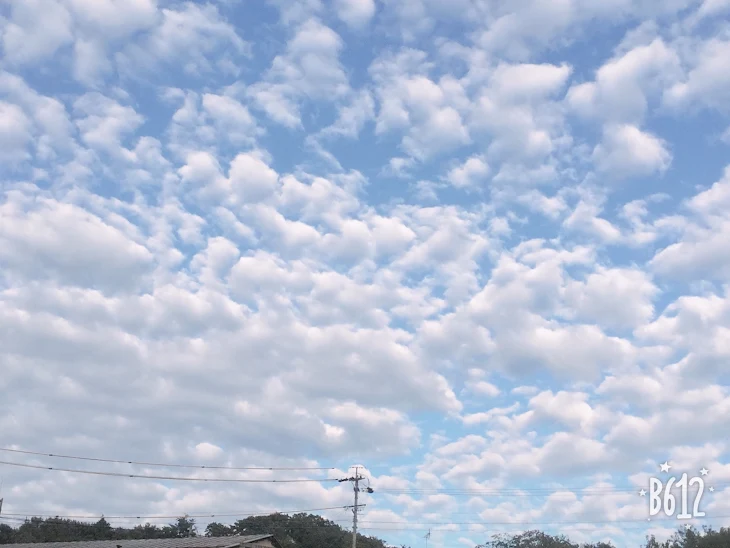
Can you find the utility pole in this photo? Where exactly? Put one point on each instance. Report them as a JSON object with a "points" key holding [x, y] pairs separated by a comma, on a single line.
{"points": [[428, 536], [356, 488]]}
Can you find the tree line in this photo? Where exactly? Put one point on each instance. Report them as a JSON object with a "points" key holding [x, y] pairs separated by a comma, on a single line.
{"points": [[308, 531], [296, 531]]}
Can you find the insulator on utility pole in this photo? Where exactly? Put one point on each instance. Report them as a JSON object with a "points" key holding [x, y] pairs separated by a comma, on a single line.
{"points": [[354, 510], [356, 488]]}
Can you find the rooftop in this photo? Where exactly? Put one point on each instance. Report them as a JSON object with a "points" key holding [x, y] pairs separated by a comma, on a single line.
{"points": [[189, 542]]}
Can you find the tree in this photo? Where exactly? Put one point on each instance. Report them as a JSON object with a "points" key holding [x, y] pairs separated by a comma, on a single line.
{"points": [[692, 538], [310, 531], [147, 531], [7, 534], [528, 539], [184, 527], [102, 530], [218, 530], [536, 539], [303, 531]]}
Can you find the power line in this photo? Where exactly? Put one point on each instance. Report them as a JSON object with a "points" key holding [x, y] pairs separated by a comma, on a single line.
{"points": [[172, 478], [421, 524], [406, 490], [437, 523], [162, 465], [517, 491], [141, 516], [438, 527]]}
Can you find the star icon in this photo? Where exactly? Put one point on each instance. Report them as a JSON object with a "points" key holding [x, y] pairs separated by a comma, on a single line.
{"points": [[642, 493], [687, 526], [712, 489], [704, 471], [665, 467]]}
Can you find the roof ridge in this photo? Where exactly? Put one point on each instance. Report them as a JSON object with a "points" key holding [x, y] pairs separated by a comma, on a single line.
{"points": [[203, 542]]}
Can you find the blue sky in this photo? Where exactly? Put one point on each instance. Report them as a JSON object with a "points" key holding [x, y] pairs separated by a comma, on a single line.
{"points": [[479, 248]]}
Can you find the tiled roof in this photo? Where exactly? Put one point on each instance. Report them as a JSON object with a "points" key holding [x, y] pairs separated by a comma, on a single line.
{"points": [[191, 542]]}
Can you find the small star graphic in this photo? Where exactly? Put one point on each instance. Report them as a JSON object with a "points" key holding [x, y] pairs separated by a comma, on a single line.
{"points": [[687, 526], [704, 471], [666, 466], [642, 493], [712, 489]]}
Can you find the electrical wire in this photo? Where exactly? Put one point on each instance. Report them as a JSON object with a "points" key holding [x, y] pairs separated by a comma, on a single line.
{"points": [[214, 515], [444, 527], [384, 490], [517, 491], [496, 490], [172, 478], [578, 522], [162, 465], [365, 520]]}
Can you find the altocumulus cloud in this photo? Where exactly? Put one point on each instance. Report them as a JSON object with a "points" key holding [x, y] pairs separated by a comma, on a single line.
{"points": [[475, 248]]}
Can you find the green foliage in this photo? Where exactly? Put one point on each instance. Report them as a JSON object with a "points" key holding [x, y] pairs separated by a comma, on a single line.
{"points": [[692, 538], [308, 531], [216, 529], [529, 539], [185, 527], [6, 533], [67, 530], [303, 531], [300, 531]]}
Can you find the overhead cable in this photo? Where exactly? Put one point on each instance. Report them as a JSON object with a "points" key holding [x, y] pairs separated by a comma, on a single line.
{"points": [[162, 465], [171, 478]]}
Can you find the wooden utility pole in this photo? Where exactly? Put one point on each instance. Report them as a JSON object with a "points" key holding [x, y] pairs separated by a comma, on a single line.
{"points": [[356, 487]]}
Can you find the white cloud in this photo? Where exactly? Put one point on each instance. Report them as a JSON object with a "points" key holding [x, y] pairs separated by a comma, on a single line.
{"points": [[570, 408], [207, 450], [309, 68], [35, 30], [484, 388], [251, 178], [91, 63], [725, 137], [516, 116], [707, 82], [528, 81], [626, 152], [191, 37], [114, 19], [293, 13], [586, 218], [425, 111], [95, 253], [470, 173], [352, 117], [229, 113], [699, 249], [618, 298], [104, 123], [49, 114], [355, 13], [15, 133], [624, 85]]}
